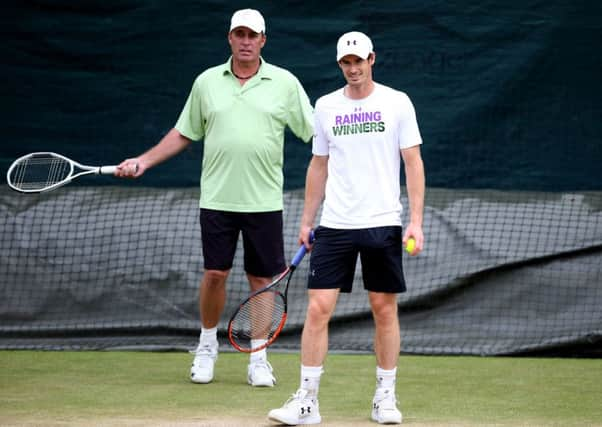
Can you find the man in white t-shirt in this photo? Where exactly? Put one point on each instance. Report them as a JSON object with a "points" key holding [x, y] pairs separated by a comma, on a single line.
{"points": [[362, 132]]}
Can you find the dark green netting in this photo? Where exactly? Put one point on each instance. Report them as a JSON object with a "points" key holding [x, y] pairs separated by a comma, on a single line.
{"points": [[508, 103]]}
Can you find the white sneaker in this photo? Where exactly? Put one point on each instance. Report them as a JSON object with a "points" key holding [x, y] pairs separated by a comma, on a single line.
{"points": [[259, 374], [298, 409], [201, 371], [384, 407]]}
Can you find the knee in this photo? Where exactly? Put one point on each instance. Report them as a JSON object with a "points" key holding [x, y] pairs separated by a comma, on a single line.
{"points": [[318, 311], [215, 278], [385, 310]]}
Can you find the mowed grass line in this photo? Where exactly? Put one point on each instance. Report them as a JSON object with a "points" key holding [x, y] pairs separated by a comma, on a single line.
{"points": [[152, 388]]}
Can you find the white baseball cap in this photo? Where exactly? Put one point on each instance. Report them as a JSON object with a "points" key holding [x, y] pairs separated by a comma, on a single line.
{"points": [[249, 18], [354, 43]]}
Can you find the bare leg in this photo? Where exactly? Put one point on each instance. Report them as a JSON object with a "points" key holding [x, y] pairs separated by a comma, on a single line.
{"points": [[387, 344], [212, 297], [314, 339], [259, 371], [387, 341], [302, 407], [260, 321]]}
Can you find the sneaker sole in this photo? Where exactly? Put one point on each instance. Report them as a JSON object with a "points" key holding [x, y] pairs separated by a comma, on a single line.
{"points": [[272, 383], [200, 380], [375, 418], [261, 385], [306, 421]]}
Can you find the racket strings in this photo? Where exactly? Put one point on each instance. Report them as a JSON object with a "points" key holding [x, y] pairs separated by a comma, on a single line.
{"points": [[40, 172], [260, 317]]}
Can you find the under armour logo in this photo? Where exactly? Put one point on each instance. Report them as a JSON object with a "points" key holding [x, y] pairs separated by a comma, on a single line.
{"points": [[305, 409], [349, 42]]}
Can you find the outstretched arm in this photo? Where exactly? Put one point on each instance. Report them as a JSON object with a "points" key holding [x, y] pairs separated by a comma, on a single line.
{"points": [[170, 145]]}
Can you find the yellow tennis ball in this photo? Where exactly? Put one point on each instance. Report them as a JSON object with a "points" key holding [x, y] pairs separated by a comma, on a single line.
{"points": [[410, 245]]}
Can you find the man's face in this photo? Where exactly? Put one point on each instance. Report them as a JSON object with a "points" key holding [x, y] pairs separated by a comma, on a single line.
{"points": [[246, 44], [356, 70]]}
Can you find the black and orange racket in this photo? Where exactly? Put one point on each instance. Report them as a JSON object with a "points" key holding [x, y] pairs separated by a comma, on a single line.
{"points": [[259, 319]]}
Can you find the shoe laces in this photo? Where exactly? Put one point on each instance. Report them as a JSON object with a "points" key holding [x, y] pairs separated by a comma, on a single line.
{"points": [[297, 397], [262, 365], [204, 349], [385, 399]]}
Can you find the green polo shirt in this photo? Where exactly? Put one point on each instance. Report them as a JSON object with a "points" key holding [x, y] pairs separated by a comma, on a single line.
{"points": [[243, 132]]}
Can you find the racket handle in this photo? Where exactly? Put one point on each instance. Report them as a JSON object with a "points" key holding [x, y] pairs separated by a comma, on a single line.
{"points": [[301, 252], [107, 170]]}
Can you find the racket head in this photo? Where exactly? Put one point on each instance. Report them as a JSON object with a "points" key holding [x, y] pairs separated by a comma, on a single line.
{"points": [[40, 171], [260, 317]]}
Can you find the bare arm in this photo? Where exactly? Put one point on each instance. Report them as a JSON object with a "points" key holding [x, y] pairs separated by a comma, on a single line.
{"points": [[170, 145], [315, 187], [415, 183]]}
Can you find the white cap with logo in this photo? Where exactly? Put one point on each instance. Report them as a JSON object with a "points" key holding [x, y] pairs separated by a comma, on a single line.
{"points": [[249, 18], [354, 43]]}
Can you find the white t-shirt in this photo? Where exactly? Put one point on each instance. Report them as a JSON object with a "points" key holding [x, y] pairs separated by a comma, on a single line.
{"points": [[363, 139]]}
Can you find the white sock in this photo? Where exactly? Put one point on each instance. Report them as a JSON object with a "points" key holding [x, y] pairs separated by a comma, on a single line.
{"points": [[208, 336], [310, 380], [385, 378], [261, 355]]}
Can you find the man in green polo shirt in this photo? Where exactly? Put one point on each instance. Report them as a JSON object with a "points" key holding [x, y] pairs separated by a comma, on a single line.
{"points": [[240, 110]]}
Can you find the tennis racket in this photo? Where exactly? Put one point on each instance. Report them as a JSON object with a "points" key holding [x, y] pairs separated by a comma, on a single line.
{"points": [[259, 319], [45, 171]]}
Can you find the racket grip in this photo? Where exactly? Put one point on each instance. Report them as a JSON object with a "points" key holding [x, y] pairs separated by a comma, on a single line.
{"points": [[107, 170], [301, 252]]}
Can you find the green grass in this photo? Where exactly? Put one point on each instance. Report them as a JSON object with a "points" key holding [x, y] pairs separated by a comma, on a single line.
{"points": [[66, 388]]}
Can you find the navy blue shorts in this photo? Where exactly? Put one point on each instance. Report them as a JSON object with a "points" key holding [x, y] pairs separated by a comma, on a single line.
{"points": [[262, 239], [334, 257]]}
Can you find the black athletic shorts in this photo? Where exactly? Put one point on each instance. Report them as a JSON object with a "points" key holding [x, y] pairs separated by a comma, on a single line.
{"points": [[261, 235], [334, 257]]}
